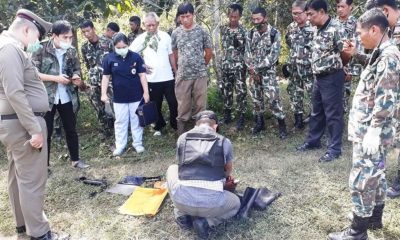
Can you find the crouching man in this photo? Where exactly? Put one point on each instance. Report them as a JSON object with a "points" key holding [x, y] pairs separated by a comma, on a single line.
{"points": [[196, 184]]}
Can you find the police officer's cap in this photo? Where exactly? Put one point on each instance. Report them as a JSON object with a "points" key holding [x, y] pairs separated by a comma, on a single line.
{"points": [[207, 114], [43, 26]]}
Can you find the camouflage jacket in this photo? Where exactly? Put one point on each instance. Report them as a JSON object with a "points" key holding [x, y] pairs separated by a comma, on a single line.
{"points": [[46, 62], [233, 46], [327, 45], [375, 99], [353, 68], [298, 40], [93, 55], [262, 50], [133, 35]]}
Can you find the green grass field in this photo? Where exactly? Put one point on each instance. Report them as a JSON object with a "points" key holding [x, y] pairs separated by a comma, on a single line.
{"points": [[315, 197]]}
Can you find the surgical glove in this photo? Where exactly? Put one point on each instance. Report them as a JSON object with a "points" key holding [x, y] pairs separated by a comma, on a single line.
{"points": [[371, 141]]}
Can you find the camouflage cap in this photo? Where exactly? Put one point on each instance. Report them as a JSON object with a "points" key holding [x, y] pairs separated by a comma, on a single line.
{"points": [[43, 26], [207, 114]]}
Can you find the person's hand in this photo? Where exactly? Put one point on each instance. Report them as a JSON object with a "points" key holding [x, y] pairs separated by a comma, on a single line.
{"points": [[350, 47], [371, 141], [36, 140], [76, 80], [63, 79], [149, 70], [252, 71], [104, 98], [146, 97], [348, 77]]}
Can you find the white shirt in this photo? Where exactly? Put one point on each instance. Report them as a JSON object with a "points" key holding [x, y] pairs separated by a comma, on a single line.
{"points": [[158, 60], [61, 93]]}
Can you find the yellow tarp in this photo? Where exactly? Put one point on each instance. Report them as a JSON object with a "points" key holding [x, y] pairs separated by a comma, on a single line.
{"points": [[144, 201]]}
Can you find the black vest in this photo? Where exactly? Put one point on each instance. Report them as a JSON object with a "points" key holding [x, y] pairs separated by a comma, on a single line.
{"points": [[201, 156]]}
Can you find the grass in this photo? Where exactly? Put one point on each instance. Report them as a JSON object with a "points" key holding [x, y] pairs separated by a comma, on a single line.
{"points": [[315, 198]]}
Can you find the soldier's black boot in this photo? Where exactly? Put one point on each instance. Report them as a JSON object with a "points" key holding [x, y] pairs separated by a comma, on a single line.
{"points": [[227, 117], [260, 124], [201, 227], [298, 121], [375, 221], [358, 230], [240, 122], [394, 190], [282, 129]]}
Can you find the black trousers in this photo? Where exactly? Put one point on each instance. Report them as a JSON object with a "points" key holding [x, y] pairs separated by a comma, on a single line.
{"points": [[68, 120], [157, 93], [327, 111]]}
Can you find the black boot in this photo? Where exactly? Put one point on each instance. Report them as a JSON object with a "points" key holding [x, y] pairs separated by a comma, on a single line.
{"points": [[394, 190], [201, 227], [282, 129], [227, 117], [46, 236], [185, 222], [260, 125], [264, 198], [246, 202], [358, 230], [240, 122], [298, 121], [375, 221]]}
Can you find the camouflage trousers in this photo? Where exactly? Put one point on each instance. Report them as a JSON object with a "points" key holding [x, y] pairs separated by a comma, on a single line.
{"points": [[367, 180], [266, 85], [106, 122], [297, 87], [234, 80]]}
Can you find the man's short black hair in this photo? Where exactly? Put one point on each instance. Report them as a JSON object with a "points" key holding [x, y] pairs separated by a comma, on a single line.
{"points": [[184, 8], [348, 2], [135, 19], [113, 26], [236, 7], [61, 27], [260, 10], [86, 23], [120, 37], [374, 17], [317, 5], [380, 3]]}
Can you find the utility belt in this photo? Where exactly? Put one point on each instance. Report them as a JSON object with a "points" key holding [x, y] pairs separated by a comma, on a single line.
{"points": [[324, 74], [15, 116]]}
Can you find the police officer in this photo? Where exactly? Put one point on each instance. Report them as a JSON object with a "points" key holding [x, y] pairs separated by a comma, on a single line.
{"points": [[23, 103], [233, 39], [327, 67], [261, 56], [93, 52], [59, 69], [298, 38], [196, 183], [371, 126]]}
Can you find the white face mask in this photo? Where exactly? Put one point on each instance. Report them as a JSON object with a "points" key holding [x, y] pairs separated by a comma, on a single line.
{"points": [[65, 45], [122, 51]]}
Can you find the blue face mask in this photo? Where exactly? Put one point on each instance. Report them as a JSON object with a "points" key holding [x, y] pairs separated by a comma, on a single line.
{"points": [[33, 47]]}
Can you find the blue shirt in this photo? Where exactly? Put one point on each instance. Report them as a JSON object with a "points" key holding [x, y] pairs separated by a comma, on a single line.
{"points": [[125, 76]]}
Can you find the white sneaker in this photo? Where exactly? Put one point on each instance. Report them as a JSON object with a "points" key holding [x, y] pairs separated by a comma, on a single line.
{"points": [[118, 152], [139, 149], [157, 133]]}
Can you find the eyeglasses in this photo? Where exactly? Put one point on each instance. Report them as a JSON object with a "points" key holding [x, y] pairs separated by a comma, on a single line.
{"points": [[297, 13]]}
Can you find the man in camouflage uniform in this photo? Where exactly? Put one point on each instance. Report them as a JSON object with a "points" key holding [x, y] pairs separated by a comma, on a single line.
{"points": [[327, 96], [136, 30], [349, 22], [233, 38], [261, 55], [298, 38], [390, 9], [371, 126], [59, 69], [93, 52]]}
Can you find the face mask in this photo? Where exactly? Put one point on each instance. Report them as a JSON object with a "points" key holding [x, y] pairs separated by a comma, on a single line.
{"points": [[259, 26], [122, 51], [65, 45], [33, 47]]}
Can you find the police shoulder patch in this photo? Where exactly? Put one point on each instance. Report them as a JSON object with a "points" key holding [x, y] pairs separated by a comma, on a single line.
{"points": [[381, 66]]}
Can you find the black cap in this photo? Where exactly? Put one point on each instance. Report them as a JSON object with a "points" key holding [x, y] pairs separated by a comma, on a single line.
{"points": [[207, 114]]}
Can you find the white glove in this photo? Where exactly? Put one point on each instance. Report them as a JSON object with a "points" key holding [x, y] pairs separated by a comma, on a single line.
{"points": [[371, 141]]}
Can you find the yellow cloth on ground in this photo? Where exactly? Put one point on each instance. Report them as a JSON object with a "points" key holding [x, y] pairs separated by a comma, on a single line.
{"points": [[144, 201]]}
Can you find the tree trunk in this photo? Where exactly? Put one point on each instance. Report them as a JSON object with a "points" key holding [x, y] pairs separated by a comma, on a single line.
{"points": [[216, 33]]}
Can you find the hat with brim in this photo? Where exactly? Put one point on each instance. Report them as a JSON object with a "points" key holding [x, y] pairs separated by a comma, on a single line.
{"points": [[43, 26]]}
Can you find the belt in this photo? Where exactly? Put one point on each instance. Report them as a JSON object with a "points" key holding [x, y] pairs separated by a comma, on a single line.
{"points": [[324, 74], [15, 116]]}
